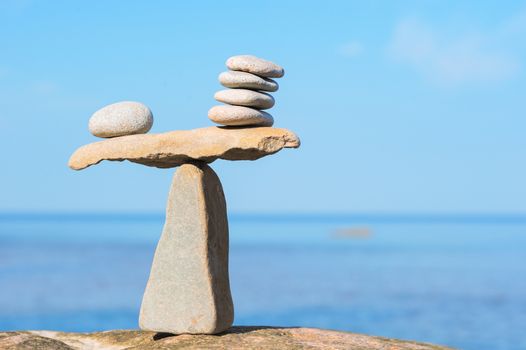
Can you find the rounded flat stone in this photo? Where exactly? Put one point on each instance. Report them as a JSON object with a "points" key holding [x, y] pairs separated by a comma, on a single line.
{"points": [[255, 65], [237, 116], [244, 97], [244, 80], [121, 118]]}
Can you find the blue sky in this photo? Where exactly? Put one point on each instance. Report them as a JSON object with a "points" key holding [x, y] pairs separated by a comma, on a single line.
{"points": [[406, 106]]}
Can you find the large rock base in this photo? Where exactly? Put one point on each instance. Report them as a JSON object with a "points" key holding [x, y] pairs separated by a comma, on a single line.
{"points": [[236, 338], [188, 290]]}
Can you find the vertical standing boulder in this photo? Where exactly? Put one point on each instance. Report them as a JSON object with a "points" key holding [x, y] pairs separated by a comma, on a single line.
{"points": [[188, 290]]}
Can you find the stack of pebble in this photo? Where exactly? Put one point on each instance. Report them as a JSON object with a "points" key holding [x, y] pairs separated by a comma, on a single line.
{"points": [[120, 119], [247, 78]]}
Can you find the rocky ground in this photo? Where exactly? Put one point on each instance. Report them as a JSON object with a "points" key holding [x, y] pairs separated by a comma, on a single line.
{"points": [[235, 338]]}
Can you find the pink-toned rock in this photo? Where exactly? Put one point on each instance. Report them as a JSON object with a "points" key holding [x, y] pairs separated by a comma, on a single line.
{"points": [[236, 338], [174, 148]]}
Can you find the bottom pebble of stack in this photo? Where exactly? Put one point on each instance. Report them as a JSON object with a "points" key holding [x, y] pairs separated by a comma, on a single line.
{"points": [[239, 116]]}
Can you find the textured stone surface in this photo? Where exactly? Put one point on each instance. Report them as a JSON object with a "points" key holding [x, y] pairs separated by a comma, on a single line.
{"points": [[236, 338], [188, 290], [255, 65], [244, 97], [174, 148], [121, 118], [238, 115], [244, 80]]}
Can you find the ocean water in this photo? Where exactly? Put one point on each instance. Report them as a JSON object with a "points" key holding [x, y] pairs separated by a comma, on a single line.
{"points": [[452, 280]]}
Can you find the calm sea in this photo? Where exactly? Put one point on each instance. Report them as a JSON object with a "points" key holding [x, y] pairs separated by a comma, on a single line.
{"points": [[452, 280]]}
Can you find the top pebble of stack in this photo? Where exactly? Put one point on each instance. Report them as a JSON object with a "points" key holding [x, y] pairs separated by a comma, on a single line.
{"points": [[255, 65], [248, 77]]}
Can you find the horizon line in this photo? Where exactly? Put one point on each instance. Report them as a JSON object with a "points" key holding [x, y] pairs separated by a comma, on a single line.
{"points": [[306, 216]]}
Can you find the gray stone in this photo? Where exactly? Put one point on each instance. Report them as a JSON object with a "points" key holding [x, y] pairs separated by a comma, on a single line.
{"points": [[239, 116], [255, 65], [121, 118], [188, 290], [243, 80], [247, 98]]}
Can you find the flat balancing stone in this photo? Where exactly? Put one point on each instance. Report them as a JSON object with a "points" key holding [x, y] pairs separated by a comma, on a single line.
{"points": [[174, 148]]}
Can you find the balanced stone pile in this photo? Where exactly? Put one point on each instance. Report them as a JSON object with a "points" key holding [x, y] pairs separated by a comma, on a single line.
{"points": [[189, 290], [249, 81]]}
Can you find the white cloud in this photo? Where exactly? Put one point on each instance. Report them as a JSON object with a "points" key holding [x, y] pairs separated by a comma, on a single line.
{"points": [[450, 59], [351, 49]]}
